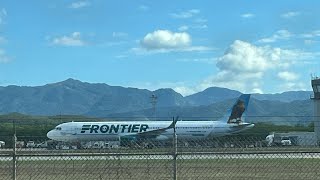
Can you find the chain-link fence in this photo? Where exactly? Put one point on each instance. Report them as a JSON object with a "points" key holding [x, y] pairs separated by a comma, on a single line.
{"points": [[293, 153]]}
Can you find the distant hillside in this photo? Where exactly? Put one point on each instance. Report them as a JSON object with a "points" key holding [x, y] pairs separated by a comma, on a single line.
{"points": [[284, 113], [67, 97], [73, 97], [76, 97], [212, 95], [285, 96], [132, 99]]}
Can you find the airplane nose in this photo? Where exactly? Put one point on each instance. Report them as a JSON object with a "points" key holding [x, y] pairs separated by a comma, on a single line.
{"points": [[52, 135]]}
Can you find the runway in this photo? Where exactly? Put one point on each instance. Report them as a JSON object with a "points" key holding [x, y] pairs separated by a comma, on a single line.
{"points": [[160, 156]]}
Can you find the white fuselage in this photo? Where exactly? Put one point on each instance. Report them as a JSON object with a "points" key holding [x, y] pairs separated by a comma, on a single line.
{"points": [[95, 131]]}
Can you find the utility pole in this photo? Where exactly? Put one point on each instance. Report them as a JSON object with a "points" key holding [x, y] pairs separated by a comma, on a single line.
{"points": [[174, 149], [14, 153], [153, 101]]}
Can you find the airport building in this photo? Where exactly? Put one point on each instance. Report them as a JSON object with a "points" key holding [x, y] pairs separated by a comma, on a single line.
{"points": [[315, 83]]}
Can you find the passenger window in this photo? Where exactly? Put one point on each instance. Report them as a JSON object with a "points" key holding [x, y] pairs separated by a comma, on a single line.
{"points": [[58, 128]]}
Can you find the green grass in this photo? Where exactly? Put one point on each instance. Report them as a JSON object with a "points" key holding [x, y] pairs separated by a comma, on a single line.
{"points": [[163, 169]]}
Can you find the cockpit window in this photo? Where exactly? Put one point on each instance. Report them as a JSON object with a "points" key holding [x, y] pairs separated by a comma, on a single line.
{"points": [[58, 128]]}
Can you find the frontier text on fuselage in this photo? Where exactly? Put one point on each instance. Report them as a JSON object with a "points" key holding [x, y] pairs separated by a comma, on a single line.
{"points": [[119, 128]]}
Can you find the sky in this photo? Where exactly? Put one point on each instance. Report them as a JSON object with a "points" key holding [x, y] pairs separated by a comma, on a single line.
{"points": [[250, 46]]}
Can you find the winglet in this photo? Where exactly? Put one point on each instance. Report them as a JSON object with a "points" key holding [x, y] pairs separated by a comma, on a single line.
{"points": [[174, 122], [157, 132]]}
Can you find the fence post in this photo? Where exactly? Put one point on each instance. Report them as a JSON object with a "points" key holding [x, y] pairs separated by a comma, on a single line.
{"points": [[174, 150], [14, 160]]}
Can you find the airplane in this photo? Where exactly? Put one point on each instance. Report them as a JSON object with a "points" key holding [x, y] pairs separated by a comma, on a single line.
{"points": [[232, 122]]}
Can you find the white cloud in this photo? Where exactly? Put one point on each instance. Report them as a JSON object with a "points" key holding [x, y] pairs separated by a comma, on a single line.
{"points": [[310, 38], [164, 39], [3, 57], [243, 66], [185, 14], [316, 33], [143, 8], [194, 11], [2, 40], [279, 35], [196, 26], [309, 41], [179, 87], [245, 57], [293, 86], [184, 91], [247, 15], [200, 60], [204, 26], [200, 20], [3, 14], [257, 90], [143, 51], [121, 56], [73, 40], [290, 14], [312, 34], [79, 4], [114, 43], [288, 76], [296, 54], [198, 48], [119, 34], [183, 28]]}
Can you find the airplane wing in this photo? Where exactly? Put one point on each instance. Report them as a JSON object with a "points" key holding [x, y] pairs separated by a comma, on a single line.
{"points": [[241, 126], [154, 133]]}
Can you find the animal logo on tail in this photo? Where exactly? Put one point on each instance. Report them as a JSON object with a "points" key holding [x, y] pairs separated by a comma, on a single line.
{"points": [[236, 112]]}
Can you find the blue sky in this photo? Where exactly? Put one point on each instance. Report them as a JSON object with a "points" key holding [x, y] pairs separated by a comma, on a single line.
{"points": [[250, 46]]}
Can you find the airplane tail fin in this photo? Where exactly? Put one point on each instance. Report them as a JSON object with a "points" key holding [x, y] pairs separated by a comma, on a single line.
{"points": [[234, 115]]}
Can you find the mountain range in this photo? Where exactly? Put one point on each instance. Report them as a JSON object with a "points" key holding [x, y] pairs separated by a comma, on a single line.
{"points": [[101, 100]]}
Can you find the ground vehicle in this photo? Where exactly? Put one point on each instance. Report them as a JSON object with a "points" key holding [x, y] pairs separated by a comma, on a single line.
{"points": [[100, 145], [2, 144], [30, 144], [285, 141], [278, 140], [95, 145], [42, 145]]}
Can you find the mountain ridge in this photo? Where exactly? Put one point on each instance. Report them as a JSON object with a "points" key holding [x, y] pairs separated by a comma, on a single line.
{"points": [[75, 97]]}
